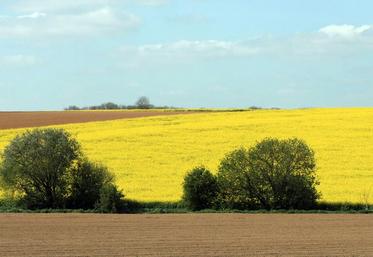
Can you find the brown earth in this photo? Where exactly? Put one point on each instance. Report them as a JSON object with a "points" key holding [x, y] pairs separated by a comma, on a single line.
{"points": [[186, 235], [12, 120]]}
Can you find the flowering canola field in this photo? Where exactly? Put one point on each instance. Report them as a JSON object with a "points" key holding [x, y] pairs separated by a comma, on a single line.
{"points": [[150, 156]]}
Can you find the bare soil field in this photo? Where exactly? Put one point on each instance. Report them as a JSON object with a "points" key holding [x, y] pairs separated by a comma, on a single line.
{"points": [[186, 235], [13, 120]]}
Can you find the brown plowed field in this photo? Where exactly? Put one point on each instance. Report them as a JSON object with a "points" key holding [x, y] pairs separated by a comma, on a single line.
{"points": [[186, 235], [11, 120]]}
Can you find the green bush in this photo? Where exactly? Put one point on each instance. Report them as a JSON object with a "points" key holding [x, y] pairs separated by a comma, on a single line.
{"points": [[111, 199], [87, 180], [234, 191], [45, 169], [8, 202], [37, 164], [200, 189], [275, 174]]}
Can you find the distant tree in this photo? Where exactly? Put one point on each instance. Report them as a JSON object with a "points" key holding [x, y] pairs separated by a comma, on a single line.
{"points": [[72, 108], [275, 174], [143, 103], [109, 106], [36, 165], [200, 189], [255, 107], [95, 107]]}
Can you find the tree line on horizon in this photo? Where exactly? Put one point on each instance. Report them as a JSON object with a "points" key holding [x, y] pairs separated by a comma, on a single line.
{"points": [[142, 103]]}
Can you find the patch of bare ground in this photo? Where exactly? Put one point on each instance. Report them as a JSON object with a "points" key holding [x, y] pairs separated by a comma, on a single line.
{"points": [[186, 235], [13, 120]]}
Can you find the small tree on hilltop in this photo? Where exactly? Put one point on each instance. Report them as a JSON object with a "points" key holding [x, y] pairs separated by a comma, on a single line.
{"points": [[275, 174], [143, 103]]}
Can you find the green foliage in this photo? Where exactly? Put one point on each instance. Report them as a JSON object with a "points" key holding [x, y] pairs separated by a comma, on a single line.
{"points": [[275, 174], [110, 199], [36, 165], [200, 189], [8, 202], [87, 180], [234, 188], [45, 169]]}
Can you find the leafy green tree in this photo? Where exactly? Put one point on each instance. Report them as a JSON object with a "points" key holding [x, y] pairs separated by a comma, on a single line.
{"points": [[37, 164], [235, 189], [275, 174], [111, 199], [87, 181], [200, 189]]}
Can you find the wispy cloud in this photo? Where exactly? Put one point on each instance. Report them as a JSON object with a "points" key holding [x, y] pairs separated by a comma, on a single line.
{"points": [[185, 48], [328, 41], [33, 15], [38, 24], [345, 31], [28, 6]]}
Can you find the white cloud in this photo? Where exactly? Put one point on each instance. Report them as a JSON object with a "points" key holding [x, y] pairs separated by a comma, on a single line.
{"points": [[33, 15], [63, 5], [183, 52], [345, 31], [28, 6], [185, 48], [306, 46], [18, 60], [38, 24]]}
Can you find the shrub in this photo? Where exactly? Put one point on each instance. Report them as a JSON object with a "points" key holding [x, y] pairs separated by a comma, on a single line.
{"points": [[275, 174], [87, 180], [111, 199], [36, 165], [8, 202], [44, 168], [200, 189], [233, 189]]}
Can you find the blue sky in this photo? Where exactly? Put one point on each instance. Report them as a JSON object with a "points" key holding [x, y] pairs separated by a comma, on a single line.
{"points": [[190, 53]]}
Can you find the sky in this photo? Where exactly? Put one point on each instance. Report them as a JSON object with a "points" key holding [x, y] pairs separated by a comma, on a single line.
{"points": [[186, 53]]}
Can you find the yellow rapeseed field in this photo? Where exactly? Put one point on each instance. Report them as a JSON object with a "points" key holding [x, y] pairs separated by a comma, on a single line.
{"points": [[151, 155]]}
